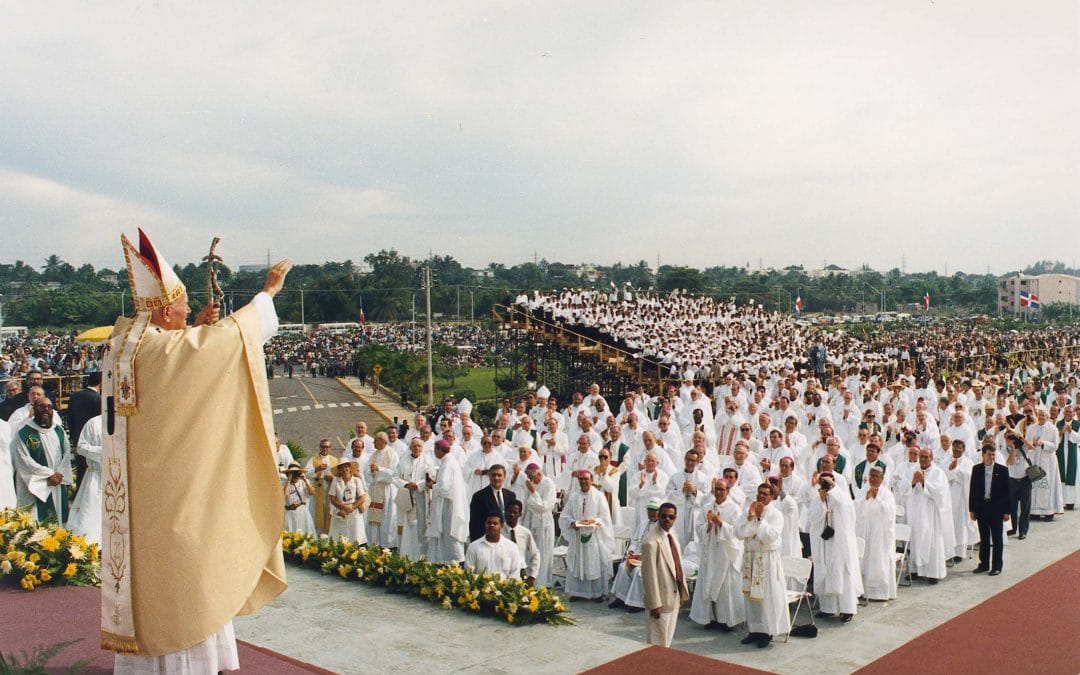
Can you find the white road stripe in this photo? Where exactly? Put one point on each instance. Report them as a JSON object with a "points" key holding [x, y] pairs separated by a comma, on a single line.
{"points": [[292, 409], [305, 407]]}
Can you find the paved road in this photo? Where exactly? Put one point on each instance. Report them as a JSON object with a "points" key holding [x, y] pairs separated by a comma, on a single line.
{"points": [[309, 408]]}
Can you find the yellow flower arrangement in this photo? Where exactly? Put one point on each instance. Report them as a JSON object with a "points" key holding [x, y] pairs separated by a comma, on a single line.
{"points": [[32, 554], [449, 586]]}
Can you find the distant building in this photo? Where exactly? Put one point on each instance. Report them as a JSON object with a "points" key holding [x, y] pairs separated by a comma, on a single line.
{"points": [[251, 268], [828, 270], [1016, 293]]}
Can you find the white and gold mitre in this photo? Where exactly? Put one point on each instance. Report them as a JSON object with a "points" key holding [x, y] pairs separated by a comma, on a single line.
{"points": [[154, 284]]}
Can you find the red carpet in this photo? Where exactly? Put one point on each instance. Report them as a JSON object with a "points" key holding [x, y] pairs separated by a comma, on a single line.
{"points": [[31, 620], [663, 661], [1030, 627]]}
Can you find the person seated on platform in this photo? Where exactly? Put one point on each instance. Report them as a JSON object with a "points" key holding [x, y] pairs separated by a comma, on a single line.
{"points": [[494, 553], [627, 587]]}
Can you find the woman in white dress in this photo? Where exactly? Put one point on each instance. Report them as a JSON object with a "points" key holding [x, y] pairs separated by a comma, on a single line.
{"points": [[297, 494], [348, 499]]}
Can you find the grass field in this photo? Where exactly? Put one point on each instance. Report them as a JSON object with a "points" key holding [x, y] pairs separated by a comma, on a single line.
{"points": [[480, 380]]}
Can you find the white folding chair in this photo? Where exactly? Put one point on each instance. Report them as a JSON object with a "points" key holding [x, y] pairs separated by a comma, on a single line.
{"points": [[558, 566], [900, 513], [900, 553], [798, 570]]}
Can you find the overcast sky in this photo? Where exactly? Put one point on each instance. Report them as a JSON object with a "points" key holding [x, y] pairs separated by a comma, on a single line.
{"points": [[939, 133]]}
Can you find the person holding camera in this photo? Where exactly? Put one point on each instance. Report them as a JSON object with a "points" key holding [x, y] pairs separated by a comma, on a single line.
{"points": [[1019, 486], [837, 576]]}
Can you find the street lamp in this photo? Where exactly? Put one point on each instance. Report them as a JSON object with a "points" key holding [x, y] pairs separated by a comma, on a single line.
{"points": [[881, 292], [303, 326]]}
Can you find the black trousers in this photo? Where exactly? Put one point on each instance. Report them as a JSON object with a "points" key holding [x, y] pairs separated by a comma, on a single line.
{"points": [[1020, 503], [991, 531]]}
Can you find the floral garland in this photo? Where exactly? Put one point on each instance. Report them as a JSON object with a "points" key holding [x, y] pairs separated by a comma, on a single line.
{"points": [[32, 554], [448, 586]]}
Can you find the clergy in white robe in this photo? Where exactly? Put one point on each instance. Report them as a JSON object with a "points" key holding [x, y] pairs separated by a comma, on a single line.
{"points": [[650, 486], [85, 516], [348, 498], [378, 469], [539, 518], [958, 471], [788, 505], [42, 459], [297, 495], [718, 598], [1067, 455], [586, 522], [478, 463], [749, 475], [627, 587], [448, 526], [762, 528], [552, 447], [689, 491], [1041, 442], [412, 500], [929, 513], [837, 575], [494, 553], [875, 524]]}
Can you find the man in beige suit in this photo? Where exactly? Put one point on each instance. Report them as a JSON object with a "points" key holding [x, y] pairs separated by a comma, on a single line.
{"points": [[662, 578]]}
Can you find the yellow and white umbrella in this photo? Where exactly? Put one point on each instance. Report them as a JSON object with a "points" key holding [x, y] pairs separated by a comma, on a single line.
{"points": [[99, 334]]}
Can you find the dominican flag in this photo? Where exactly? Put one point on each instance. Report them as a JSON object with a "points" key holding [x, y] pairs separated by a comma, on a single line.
{"points": [[1025, 298], [1035, 301], [798, 305], [926, 301]]}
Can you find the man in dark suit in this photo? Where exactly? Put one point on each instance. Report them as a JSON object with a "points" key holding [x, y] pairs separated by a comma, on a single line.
{"points": [[988, 504], [492, 499], [83, 405]]}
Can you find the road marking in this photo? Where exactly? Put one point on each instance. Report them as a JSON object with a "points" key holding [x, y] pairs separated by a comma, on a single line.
{"points": [[305, 407], [320, 406], [278, 411], [313, 399], [331, 405], [292, 409]]}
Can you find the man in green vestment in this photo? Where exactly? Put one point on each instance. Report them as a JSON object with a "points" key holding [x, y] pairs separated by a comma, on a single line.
{"points": [[43, 464]]}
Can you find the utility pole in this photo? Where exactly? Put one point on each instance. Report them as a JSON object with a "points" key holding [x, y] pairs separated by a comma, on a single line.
{"points": [[430, 372], [303, 327]]}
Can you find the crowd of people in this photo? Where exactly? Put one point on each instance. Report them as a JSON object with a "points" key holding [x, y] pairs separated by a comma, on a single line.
{"points": [[333, 352], [695, 495], [711, 338], [49, 353], [691, 333], [716, 491]]}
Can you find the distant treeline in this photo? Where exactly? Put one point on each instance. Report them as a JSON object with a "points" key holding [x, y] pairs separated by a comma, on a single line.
{"points": [[389, 287]]}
